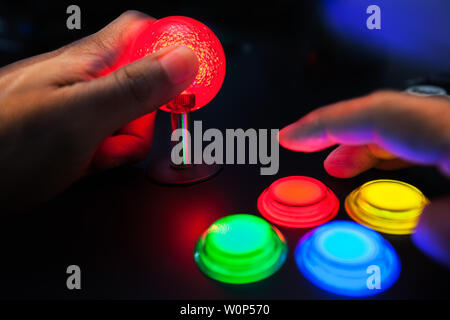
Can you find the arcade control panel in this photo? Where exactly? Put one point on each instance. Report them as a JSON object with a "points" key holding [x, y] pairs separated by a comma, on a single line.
{"points": [[207, 231]]}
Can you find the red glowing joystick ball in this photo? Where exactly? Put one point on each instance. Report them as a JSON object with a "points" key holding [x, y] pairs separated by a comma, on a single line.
{"points": [[183, 31]]}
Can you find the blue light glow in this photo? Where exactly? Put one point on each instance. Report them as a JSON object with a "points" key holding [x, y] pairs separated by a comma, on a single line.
{"points": [[337, 255], [415, 30]]}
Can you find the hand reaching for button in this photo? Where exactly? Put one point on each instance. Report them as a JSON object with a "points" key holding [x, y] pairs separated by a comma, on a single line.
{"points": [[386, 130]]}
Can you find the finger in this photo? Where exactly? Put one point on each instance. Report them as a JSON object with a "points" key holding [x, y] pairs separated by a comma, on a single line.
{"points": [[414, 128], [346, 122], [132, 144], [349, 161], [432, 234], [108, 103], [4, 71], [380, 153]]}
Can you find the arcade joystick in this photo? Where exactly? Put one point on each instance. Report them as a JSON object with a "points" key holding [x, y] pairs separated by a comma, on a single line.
{"points": [[183, 31]]}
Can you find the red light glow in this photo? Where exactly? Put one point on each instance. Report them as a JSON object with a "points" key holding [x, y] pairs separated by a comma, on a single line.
{"points": [[183, 31], [298, 202]]}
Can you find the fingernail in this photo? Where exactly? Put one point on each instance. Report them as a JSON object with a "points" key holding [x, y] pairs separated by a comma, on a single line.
{"points": [[179, 64]]}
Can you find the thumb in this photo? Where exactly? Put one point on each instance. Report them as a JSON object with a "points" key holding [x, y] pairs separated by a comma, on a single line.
{"points": [[136, 89]]}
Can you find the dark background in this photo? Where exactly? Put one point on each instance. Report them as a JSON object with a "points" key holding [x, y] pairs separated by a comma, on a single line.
{"points": [[135, 239]]}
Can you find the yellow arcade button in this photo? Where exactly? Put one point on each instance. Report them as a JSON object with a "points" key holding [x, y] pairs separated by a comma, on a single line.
{"points": [[388, 206]]}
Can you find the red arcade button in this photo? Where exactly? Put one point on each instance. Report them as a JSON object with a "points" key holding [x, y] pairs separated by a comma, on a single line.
{"points": [[298, 202]]}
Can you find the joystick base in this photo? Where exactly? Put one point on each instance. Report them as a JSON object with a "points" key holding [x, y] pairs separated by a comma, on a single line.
{"points": [[161, 171]]}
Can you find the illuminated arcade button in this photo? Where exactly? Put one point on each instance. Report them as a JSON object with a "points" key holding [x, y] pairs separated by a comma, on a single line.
{"points": [[240, 248], [348, 259], [387, 206], [298, 202]]}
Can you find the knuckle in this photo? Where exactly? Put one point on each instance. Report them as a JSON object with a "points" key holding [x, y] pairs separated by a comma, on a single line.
{"points": [[383, 96], [133, 15], [375, 97]]}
